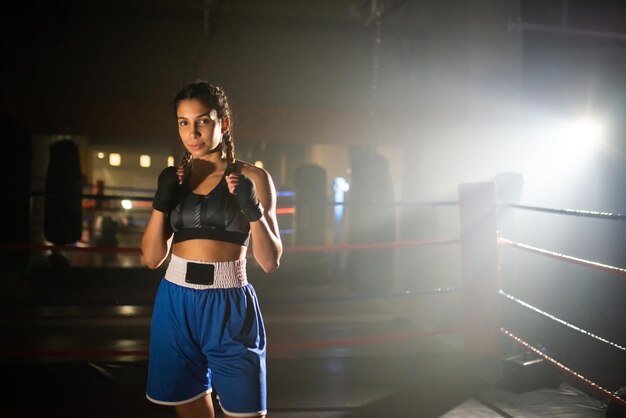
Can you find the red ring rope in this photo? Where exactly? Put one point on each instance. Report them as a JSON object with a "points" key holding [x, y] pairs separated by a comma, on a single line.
{"points": [[44, 247], [366, 246], [302, 249], [307, 345], [374, 339]]}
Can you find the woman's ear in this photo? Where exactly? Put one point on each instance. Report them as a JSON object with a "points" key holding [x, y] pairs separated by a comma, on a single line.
{"points": [[225, 124]]}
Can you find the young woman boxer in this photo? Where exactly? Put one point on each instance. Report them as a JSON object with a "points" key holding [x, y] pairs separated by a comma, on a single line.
{"points": [[207, 332]]}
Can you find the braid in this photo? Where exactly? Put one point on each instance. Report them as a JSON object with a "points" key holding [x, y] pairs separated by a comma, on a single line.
{"points": [[186, 160], [229, 149], [217, 91]]}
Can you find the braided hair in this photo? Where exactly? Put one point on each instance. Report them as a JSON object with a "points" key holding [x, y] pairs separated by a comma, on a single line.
{"points": [[214, 98]]}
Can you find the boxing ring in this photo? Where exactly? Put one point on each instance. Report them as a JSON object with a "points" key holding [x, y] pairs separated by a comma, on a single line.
{"points": [[611, 397], [485, 326]]}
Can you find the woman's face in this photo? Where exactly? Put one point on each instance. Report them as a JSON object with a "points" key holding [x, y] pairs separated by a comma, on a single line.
{"points": [[199, 127]]}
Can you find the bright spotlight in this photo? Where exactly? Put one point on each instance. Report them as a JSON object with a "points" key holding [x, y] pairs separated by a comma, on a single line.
{"points": [[127, 204], [562, 155], [586, 130], [576, 139]]}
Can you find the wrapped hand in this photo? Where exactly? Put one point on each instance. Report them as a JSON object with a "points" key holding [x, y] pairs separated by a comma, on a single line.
{"points": [[245, 195], [169, 190]]}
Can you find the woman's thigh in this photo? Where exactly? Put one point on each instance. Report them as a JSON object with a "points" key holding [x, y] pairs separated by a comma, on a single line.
{"points": [[199, 408]]}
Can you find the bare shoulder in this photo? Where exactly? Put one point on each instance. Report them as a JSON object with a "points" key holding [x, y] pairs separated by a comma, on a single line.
{"points": [[257, 174]]}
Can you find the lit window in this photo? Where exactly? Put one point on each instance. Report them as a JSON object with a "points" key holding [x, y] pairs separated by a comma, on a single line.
{"points": [[144, 161], [101, 155], [115, 159], [259, 164], [170, 161]]}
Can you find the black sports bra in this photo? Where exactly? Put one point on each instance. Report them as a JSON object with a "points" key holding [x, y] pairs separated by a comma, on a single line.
{"points": [[214, 216]]}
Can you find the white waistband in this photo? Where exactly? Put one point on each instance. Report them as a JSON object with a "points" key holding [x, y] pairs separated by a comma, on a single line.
{"points": [[228, 274]]}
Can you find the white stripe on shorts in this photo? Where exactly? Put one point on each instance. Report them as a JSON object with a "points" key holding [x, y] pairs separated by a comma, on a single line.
{"points": [[228, 274]]}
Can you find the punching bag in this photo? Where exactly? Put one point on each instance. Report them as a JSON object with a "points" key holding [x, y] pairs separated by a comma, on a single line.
{"points": [[371, 218], [63, 203], [310, 220], [16, 159], [310, 223]]}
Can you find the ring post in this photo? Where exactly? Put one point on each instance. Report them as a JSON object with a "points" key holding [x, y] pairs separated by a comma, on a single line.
{"points": [[477, 207]]}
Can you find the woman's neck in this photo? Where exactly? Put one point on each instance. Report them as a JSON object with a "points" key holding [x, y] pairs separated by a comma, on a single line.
{"points": [[207, 166]]}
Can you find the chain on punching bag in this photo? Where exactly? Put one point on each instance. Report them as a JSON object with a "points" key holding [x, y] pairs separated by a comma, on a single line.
{"points": [[63, 204], [371, 218]]}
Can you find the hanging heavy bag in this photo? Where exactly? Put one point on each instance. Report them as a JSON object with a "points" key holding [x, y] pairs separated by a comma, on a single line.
{"points": [[16, 159], [371, 219], [311, 224], [310, 217], [63, 202]]}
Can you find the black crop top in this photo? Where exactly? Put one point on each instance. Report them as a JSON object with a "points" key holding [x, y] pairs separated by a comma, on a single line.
{"points": [[214, 216]]}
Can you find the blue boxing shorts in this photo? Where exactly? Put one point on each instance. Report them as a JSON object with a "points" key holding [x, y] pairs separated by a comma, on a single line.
{"points": [[207, 332]]}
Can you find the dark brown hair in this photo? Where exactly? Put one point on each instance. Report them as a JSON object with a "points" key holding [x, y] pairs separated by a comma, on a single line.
{"points": [[214, 98]]}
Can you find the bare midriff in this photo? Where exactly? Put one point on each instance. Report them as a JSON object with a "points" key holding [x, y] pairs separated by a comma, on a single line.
{"points": [[209, 250]]}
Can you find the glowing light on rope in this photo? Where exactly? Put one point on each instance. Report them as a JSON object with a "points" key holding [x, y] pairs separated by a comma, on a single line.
{"points": [[560, 321]]}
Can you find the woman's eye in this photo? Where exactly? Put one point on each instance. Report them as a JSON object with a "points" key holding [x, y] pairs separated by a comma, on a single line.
{"points": [[203, 121], [182, 123]]}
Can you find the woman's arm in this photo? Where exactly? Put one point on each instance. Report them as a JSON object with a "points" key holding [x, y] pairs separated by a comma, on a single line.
{"points": [[267, 246], [156, 240], [155, 243]]}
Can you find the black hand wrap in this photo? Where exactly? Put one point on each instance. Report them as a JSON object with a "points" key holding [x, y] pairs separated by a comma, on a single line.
{"points": [[169, 191], [245, 195]]}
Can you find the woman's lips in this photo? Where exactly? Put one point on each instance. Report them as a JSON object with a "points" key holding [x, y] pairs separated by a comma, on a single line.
{"points": [[196, 147]]}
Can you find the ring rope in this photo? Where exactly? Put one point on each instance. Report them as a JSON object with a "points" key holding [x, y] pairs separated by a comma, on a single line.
{"points": [[375, 203], [305, 345], [22, 352], [406, 293], [347, 342], [591, 385], [150, 198], [574, 212], [302, 249], [89, 196], [365, 246], [612, 269], [560, 321], [44, 247]]}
